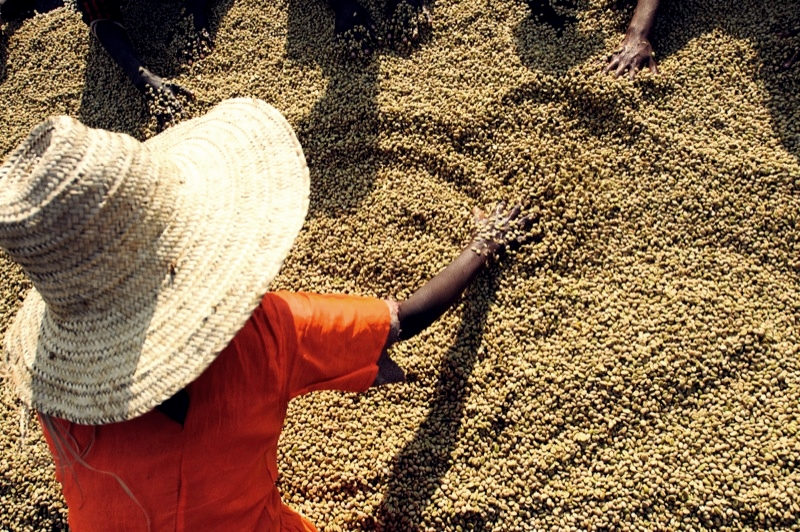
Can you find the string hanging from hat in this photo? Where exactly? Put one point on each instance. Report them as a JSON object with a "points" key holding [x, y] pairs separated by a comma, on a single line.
{"points": [[65, 443]]}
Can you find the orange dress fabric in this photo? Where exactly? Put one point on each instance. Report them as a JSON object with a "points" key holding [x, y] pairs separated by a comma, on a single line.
{"points": [[218, 471]]}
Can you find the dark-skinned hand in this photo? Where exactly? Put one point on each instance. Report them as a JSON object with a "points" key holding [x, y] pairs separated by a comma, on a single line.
{"points": [[162, 98], [500, 228], [633, 54], [353, 25]]}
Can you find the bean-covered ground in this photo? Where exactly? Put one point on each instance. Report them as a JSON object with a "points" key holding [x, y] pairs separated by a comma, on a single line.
{"points": [[635, 366]]}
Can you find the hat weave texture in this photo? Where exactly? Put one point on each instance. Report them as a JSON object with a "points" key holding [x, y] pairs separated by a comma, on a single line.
{"points": [[146, 258]]}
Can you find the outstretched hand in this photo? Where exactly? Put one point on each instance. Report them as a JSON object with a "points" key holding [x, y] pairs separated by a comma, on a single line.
{"points": [[495, 231], [633, 54], [499, 229]]}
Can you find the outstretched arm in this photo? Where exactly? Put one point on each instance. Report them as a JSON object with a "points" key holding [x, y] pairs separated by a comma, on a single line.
{"points": [[433, 298], [635, 51]]}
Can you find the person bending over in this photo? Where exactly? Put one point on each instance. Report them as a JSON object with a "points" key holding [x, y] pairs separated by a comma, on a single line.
{"points": [[159, 363]]}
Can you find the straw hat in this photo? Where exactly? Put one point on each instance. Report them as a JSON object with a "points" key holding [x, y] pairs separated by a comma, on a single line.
{"points": [[146, 258]]}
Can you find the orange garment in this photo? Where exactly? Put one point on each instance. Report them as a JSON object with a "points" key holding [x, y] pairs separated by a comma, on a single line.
{"points": [[218, 471]]}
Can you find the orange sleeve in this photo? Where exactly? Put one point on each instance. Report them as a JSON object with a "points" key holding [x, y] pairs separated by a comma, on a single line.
{"points": [[331, 342]]}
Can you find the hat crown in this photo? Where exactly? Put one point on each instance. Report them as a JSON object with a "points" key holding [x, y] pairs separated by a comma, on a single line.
{"points": [[147, 258], [81, 211]]}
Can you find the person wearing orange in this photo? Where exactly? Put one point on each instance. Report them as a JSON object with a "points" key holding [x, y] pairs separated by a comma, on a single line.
{"points": [[158, 362]]}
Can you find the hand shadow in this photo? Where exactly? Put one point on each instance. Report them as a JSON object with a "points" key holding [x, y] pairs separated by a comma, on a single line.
{"points": [[437, 435]]}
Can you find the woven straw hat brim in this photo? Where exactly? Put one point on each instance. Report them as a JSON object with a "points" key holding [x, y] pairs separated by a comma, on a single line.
{"points": [[241, 187]]}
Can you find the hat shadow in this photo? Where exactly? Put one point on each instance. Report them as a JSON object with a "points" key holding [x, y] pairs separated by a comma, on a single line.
{"points": [[109, 100]]}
